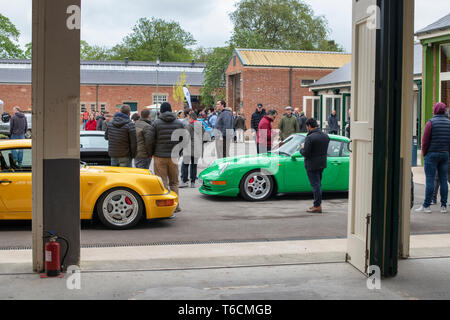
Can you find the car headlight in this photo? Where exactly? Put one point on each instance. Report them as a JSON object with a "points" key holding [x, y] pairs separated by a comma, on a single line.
{"points": [[222, 168]]}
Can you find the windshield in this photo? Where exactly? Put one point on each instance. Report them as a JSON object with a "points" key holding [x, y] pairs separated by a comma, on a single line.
{"points": [[291, 145], [93, 142]]}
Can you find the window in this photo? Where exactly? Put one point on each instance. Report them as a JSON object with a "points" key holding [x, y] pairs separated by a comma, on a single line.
{"points": [[234, 61], [159, 99], [92, 106], [345, 149], [445, 74], [307, 83], [93, 142], [15, 160], [83, 108], [103, 107], [334, 149]]}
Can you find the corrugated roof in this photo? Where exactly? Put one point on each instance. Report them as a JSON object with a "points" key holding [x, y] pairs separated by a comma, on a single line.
{"points": [[112, 73], [441, 24], [297, 59], [343, 76]]}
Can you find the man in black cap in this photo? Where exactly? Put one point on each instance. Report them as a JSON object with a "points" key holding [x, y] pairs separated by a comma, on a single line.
{"points": [[161, 147], [256, 119]]}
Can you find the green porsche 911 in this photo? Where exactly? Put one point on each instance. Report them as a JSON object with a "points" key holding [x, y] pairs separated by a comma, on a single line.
{"points": [[258, 177]]}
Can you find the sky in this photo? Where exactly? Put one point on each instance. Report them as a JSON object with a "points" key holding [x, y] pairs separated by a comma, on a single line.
{"points": [[107, 22]]}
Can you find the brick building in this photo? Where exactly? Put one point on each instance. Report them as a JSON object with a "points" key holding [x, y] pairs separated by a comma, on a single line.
{"points": [[276, 78], [105, 85]]}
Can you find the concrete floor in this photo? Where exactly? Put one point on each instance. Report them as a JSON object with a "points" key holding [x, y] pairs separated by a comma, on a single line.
{"points": [[418, 279]]}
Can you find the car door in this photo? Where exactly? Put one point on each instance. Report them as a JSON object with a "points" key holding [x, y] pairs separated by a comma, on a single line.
{"points": [[15, 184], [293, 170], [332, 175]]}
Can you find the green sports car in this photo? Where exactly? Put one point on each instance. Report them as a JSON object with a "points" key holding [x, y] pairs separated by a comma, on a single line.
{"points": [[258, 177]]}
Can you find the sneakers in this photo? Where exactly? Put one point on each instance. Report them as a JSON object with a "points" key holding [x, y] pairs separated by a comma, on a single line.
{"points": [[192, 184], [444, 210], [183, 185], [424, 210]]}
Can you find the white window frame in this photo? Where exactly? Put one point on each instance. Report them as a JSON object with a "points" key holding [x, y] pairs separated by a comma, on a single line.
{"points": [[333, 107], [159, 95], [312, 98], [307, 85]]}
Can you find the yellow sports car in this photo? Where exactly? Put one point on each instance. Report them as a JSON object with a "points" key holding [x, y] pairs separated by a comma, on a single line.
{"points": [[120, 197]]}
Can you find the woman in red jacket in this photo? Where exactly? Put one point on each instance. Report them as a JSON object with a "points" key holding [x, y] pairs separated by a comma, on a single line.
{"points": [[91, 125], [265, 133]]}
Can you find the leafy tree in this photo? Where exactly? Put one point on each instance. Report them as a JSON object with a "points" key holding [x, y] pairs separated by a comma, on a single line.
{"points": [[216, 65], [156, 38], [279, 24], [27, 52], [200, 54], [9, 36], [178, 91], [88, 52]]}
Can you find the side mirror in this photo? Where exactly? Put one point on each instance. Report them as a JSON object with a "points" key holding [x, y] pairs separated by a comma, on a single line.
{"points": [[296, 156]]}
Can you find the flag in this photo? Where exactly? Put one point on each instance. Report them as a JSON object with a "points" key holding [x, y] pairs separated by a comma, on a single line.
{"points": [[187, 94]]}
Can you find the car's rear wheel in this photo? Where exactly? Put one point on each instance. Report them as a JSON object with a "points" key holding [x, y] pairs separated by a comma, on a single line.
{"points": [[28, 134], [257, 186], [120, 208]]}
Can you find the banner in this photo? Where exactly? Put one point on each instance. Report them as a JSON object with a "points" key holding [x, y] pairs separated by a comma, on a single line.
{"points": [[187, 94]]}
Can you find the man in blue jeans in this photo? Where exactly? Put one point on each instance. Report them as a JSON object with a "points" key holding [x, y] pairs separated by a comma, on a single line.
{"points": [[18, 127], [435, 148], [315, 152]]}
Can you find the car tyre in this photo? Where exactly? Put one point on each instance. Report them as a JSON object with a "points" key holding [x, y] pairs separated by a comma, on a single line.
{"points": [[120, 209], [28, 134], [257, 186]]}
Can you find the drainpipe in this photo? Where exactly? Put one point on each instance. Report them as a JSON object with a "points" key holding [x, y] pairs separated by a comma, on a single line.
{"points": [[96, 98], [290, 86]]}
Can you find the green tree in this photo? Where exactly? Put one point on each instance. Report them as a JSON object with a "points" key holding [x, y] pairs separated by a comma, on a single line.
{"points": [[156, 38], [279, 24], [94, 53], [178, 91], [216, 65], [9, 37]]}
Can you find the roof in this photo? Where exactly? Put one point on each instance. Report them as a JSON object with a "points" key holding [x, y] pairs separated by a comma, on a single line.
{"points": [[440, 25], [113, 73], [343, 76], [289, 58]]}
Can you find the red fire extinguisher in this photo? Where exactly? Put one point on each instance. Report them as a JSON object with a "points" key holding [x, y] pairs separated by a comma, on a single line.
{"points": [[52, 258], [53, 255]]}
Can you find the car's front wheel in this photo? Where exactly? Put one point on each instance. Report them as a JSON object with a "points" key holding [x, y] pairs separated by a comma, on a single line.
{"points": [[257, 186], [120, 209]]}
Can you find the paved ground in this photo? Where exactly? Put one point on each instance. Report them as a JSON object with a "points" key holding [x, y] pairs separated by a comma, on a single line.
{"points": [[206, 219]]}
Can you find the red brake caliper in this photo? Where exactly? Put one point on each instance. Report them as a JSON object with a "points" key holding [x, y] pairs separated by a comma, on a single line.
{"points": [[128, 201]]}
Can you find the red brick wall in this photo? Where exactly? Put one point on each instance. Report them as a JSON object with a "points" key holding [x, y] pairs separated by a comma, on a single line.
{"points": [[270, 86], [20, 95]]}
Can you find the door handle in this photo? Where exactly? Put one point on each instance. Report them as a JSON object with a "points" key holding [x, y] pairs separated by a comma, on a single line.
{"points": [[336, 163], [5, 181]]}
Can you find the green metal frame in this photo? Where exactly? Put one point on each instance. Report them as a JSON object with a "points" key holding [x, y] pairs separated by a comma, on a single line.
{"points": [[419, 113], [345, 96]]}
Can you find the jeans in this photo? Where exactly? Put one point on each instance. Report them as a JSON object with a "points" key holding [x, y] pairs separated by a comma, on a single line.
{"points": [[121, 162], [143, 163], [189, 162], [436, 161], [315, 179], [167, 169], [17, 154], [222, 147]]}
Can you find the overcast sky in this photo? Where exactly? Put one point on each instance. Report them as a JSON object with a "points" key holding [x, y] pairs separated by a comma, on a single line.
{"points": [[106, 22]]}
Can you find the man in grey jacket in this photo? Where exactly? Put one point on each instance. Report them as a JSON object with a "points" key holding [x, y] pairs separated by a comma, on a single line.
{"points": [[18, 128], [143, 125], [224, 130]]}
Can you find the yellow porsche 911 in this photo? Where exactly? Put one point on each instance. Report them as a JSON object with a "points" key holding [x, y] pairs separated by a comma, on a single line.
{"points": [[120, 197]]}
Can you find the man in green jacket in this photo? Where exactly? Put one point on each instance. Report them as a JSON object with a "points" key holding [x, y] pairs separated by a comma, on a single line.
{"points": [[288, 125]]}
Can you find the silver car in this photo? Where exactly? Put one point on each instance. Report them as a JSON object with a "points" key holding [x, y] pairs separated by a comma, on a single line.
{"points": [[5, 126]]}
